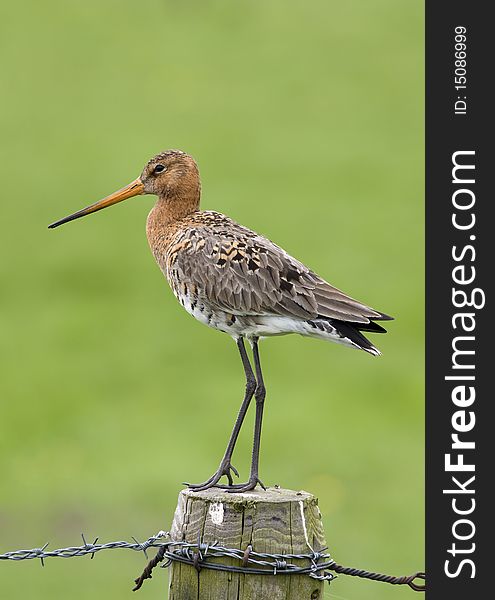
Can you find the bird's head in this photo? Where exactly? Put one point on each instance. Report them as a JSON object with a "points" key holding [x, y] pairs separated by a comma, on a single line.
{"points": [[168, 173], [172, 175]]}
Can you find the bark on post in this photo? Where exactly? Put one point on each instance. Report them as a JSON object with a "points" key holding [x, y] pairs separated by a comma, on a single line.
{"points": [[274, 521]]}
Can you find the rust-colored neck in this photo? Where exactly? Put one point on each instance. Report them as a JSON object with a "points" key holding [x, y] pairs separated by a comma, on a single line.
{"points": [[174, 204], [177, 204]]}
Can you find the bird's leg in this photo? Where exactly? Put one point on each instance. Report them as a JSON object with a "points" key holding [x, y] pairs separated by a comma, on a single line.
{"points": [[225, 467], [259, 395]]}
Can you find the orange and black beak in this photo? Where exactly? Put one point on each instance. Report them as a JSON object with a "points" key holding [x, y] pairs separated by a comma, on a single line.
{"points": [[135, 188]]}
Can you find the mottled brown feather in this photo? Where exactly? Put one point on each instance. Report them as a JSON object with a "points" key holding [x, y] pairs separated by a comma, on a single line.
{"points": [[238, 271]]}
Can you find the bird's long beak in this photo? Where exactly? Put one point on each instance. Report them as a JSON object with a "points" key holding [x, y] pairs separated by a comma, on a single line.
{"points": [[135, 188]]}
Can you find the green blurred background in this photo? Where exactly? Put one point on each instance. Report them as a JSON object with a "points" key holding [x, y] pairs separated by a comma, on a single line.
{"points": [[307, 123]]}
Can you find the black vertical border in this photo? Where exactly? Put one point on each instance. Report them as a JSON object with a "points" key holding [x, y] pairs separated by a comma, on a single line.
{"points": [[445, 134]]}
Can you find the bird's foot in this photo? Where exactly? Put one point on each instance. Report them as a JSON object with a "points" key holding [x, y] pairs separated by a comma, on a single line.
{"points": [[224, 469], [243, 487]]}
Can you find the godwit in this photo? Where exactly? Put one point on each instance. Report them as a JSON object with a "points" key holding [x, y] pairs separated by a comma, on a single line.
{"points": [[232, 279]]}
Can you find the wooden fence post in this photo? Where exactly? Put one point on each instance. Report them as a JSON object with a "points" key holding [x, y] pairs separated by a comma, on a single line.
{"points": [[274, 521]]}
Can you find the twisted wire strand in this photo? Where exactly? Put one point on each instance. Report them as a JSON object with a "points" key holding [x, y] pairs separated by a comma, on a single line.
{"points": [[404, 580]]}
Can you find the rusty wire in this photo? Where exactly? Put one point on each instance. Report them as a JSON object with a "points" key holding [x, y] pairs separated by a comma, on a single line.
{"points": [[319, 564]]}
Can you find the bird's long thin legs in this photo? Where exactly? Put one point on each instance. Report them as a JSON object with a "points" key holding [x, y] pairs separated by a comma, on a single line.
{"points": [[259, 395], [225, 467]]}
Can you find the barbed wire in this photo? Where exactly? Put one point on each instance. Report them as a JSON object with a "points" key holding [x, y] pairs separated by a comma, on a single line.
{"points": [[87, 548], [319, 564]]}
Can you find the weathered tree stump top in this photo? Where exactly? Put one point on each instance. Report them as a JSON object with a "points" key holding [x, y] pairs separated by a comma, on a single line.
{"points": [[271, 494], [275, 521]]}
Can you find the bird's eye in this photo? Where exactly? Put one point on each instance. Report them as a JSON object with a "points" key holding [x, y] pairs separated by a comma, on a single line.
{"points": [[159, 169]]}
